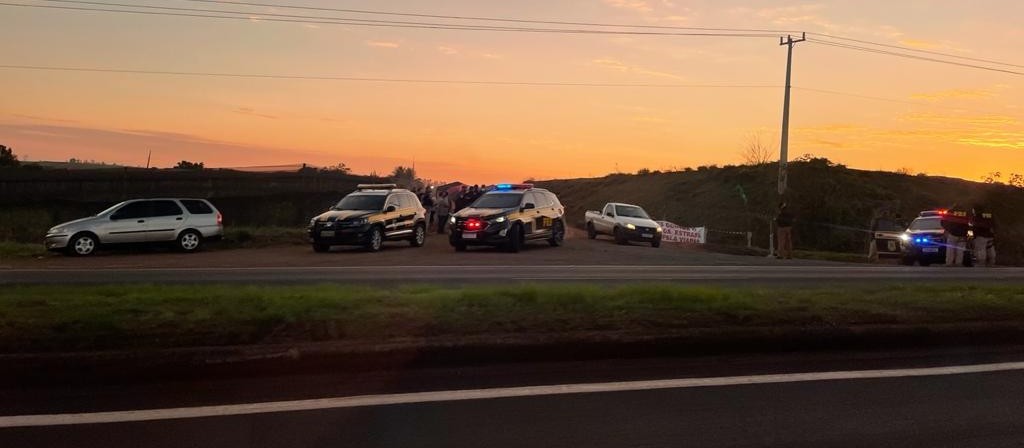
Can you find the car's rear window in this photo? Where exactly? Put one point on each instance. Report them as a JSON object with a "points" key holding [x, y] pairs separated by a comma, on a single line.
{"points": [[197, 207]]}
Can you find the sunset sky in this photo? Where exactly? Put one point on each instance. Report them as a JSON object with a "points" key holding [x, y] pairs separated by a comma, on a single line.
{"points": [[880, 111]]}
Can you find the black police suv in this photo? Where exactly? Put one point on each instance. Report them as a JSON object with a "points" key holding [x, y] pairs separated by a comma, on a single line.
{"points": [[509, 216]]}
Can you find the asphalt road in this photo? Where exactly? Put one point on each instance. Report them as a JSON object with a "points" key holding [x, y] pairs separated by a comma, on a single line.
{"points": [[498, 273], [896, 407]]}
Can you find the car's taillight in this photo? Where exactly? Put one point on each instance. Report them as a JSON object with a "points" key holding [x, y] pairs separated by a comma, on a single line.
{"points": [[473, 224], [220, 219]]}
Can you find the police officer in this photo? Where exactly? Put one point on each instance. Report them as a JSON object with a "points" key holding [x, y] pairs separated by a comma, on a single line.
{"points": [[984, 236], [956, 223]]}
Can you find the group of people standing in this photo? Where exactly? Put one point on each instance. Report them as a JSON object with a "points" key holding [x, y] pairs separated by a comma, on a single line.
{"points": [[441, 205], [959, 226]]}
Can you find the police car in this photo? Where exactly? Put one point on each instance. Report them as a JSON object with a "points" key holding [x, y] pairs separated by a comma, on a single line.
{"points": [[509, 216], [367, 217], [924, 241]]}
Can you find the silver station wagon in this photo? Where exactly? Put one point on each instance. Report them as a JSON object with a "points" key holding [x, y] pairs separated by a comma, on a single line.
{"points": [[185, 222]]}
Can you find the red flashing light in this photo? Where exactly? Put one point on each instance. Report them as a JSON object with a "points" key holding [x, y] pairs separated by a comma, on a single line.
{"points": [[473, 224], [942, 212]]}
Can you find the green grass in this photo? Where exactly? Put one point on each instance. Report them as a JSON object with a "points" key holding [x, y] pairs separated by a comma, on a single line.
{"points": [[70, 318], [10, 249]]}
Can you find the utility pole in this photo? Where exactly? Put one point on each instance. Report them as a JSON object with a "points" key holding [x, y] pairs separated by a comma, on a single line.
{"points": [[788, 41], [148, 157]]}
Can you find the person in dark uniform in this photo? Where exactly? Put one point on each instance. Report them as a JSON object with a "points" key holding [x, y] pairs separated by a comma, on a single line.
{"points": [[984, 236], [427, 200], [956, 223]]}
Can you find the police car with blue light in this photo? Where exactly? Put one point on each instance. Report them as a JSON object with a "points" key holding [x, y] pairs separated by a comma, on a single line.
{"points": [[509, 216], [924, 241]]}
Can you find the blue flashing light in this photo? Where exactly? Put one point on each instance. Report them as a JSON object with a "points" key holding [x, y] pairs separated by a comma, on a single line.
{"points": [[503, 187]]}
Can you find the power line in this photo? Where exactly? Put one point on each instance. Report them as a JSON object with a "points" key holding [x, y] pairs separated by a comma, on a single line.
{"points": [[858, 95], [600, 24], [919, 50], [492, 19], [250, 16], [372, 79], [911, 56]]}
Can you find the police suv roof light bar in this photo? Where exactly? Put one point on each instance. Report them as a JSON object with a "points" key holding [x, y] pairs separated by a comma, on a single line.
{"points": [[513, 186], [376, 187]]}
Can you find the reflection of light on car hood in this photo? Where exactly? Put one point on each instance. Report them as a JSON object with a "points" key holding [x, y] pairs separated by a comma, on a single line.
{"points": [[340, 215], [482, 212]]}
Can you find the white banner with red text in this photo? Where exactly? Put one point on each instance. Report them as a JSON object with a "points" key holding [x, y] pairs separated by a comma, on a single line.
{"points": [[672, 233]]}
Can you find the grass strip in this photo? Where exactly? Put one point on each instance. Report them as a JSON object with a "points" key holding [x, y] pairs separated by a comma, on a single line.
{"points": [[102, 317], [11, 249]]}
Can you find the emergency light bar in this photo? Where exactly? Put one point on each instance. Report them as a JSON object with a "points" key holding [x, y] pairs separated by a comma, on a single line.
{"points": [[376, 186], [513, 186]]}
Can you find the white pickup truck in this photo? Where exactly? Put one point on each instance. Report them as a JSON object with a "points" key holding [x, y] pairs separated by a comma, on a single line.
{"points": [[624, 222]]}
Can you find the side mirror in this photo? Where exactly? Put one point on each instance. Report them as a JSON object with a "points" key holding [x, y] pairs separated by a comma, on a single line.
{"points": [[529, 206], [390, 208], [116, 216], [610, 214]]}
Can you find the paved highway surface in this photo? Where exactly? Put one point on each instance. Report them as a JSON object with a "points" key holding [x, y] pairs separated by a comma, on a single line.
{"points": [[474, 274], [778, 402]]}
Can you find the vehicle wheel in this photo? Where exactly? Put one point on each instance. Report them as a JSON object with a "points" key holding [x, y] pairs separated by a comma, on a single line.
{"points": [[376, 240], [419, 236], [557, 234], [460, 247], [514, 239], [321, 248], [591, 231], [82, 244], [189, 241], [656, 243], [907, 261], [619, 238]]}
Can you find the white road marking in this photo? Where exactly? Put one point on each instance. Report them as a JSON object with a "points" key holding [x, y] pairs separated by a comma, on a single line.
{"points": [[482, 394]]}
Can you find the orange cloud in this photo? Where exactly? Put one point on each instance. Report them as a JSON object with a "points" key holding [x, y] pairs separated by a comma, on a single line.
{"points": [[953, 94], [619, 66], [635, 5], [382, 44]]}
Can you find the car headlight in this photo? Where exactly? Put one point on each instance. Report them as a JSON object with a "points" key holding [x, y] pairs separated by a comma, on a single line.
{"points": [[904, 237], [57, 230], [451, 220], [630, 227], [358, 221], [312, 222], [499, 219], [658, 230]]}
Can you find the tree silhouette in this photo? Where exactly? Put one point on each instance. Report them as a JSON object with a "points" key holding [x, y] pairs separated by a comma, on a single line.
{"points": [[186, 165], [404, 176], [7, 157], [757, 150]]}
